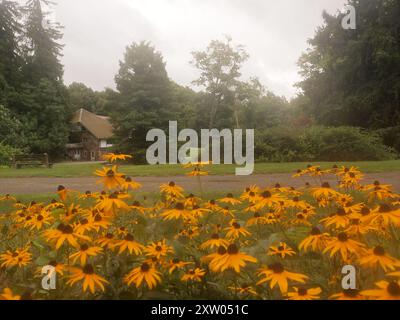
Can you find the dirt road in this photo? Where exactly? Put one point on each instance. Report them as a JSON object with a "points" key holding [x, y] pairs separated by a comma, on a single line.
{"points": [[210, 183]]}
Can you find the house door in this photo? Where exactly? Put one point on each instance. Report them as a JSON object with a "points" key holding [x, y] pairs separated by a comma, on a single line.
{"points": [[92, 156]]}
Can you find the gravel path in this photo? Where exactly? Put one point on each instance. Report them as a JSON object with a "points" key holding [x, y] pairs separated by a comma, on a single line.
{"points": [[210, 183]]}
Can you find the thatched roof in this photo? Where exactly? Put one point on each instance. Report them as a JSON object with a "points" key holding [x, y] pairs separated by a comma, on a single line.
{"points": [[99, 126]]}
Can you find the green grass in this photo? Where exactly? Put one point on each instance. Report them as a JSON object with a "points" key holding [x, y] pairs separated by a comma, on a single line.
{"points": [[65, 170]]}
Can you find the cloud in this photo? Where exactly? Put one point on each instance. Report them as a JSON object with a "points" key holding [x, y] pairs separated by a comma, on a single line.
{"points": [[274, 33]]}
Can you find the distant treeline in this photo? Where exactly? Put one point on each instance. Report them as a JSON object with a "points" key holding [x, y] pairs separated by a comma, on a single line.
{"points": [[348, 107]]}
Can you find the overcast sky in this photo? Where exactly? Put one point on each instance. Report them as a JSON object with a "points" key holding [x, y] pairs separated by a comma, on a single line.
{"points": [[274, 33]]}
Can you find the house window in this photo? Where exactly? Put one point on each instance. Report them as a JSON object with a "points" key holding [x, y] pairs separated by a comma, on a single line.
{"points": [[103, 143]]}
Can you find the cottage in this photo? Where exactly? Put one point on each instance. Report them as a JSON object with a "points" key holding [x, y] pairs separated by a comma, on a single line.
{"points": [[89, 137]]}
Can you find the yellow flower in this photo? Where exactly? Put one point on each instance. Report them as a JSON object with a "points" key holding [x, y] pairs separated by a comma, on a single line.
{"points": [[85, 252], [214, 242], [172, 189], [194, 275], [64, 233], [345, 246], [111, 178], [112, 157], [348, 294], [175, 264], [378, 257], [277, 275], [245, 290], [325, 191], [282, 250], [179, 212], [129, 244], [230, 200], [91, 280], [145, 272], [158, 249], [7, 294], [128, 183], [387, 291], [112, 202], [304, 294], [20, 258], [232, 259], [236, 230]]}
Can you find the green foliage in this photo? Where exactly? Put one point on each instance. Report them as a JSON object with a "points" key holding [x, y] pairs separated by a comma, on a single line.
{"points": [[11, 129], [391, 137], [351, 77], [6, 153], [318, 143]]}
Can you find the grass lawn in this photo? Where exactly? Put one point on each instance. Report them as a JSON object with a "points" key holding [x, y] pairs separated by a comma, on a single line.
{"points": [[85, 170]]}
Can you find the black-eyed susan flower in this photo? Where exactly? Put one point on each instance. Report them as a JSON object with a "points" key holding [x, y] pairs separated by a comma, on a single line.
{"points": [[62, 192], [347, 294], [302, 293], [84, 253], [386, 291], [172, 189], [129, 184], [64, 233], [175, 264], [325, 191], [194, 275], [232, 259], [257, 219], [229, 199], [339, 220], [7, 294], [19, 257], [377, 257], [344, 246], [159, 249], [316, 241], [276, 274], [90, 280], [245, 290], [110, 177], [281, 250], [112, 157], [146, 273], [179, 212], [236, 231], [106, 241], [214, 242], [113, 202], [129, 244]]}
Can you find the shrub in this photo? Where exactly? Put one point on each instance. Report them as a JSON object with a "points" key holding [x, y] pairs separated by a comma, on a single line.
{"points": [[319, 143], [6, 153]]}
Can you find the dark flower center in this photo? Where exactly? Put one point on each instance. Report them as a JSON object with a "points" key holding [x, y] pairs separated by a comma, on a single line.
{"points": [[39, 217], [302, 291], [296, 199], [325, 185], [212, 202], [233, 249], [215, 236], [175, 261], [136, 204], [84, 221], [229, 195], [236, 225], [179, 206], [129, 237], [276, 267], [60, 188], [379, 251], [351, 292], [384, 208], [88, 193], [257, 215], [110, 174], [266, 194], [365, 211], [84, 247], [171, 184], [281, 248], [277, 185], [252, 194], [158, 248], [88, 269], [393, 288], [53, 263], [109, 236], [129, 179], [343, 237], [97, 218], [221, 250], [191, 272], [341, 212], [315, 231], [145, 267], [376, 183]]}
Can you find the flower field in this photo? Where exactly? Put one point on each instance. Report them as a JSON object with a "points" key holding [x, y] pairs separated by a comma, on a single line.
{"points": [[265, 242]]}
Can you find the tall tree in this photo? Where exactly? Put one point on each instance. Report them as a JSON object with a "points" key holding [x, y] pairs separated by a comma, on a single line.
{"points": [[10, 31], [352, 77], [144, 97], [219, 67]]}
